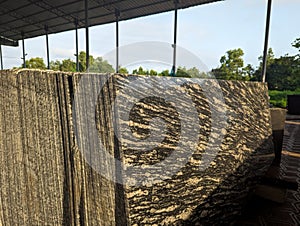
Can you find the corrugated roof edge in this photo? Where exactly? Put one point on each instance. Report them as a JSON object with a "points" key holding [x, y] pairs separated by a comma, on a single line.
{"points": [[8, 42]]}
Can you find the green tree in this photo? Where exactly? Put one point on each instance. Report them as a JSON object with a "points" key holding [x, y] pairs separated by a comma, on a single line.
{"points": [[270, 57], [153, 72], [296, 44], [68, 65], [55, 65], [140, 71], [283, 73], [248, 72], [232, 66], [101, 66], [97, 65], [164, 73], [123, 70], [65, 65], [36, 62], [270, 60], [182, 72], [194, 72], [82, 61], [190, 73]]}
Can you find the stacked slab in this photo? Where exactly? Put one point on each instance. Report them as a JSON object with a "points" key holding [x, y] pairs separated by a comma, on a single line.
{"points": [[111, 149]]}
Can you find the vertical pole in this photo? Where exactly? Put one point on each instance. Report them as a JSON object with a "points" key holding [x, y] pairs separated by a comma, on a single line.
{"points": [[117, 40], [1, 59], [23, 44], [173, 72], [264, 67], [87, 35], [76, 33], [47, 46]]}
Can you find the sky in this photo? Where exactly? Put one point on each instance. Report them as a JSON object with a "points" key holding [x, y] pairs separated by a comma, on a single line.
{"points": [[205, 31]]}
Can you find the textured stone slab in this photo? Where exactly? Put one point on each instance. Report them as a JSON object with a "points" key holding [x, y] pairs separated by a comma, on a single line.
{"points": [[31, 154], [44, 180], [182, 150], [234, 135]]}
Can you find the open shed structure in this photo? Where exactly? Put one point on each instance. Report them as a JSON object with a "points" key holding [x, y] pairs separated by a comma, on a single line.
{"points": [[45, 178], [31, 18]]}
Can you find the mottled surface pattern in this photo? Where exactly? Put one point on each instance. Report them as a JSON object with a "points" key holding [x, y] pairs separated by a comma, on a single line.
{"points": [[48, 179], [215, 195]]}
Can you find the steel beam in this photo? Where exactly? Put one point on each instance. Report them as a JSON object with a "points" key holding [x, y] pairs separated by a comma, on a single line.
{"points": [[173, 72], [55, 10], [1, 59], [117, 40], [87, 35], [23, 45], [264, 66], [76, 40], [8, 42], [47, 46]]}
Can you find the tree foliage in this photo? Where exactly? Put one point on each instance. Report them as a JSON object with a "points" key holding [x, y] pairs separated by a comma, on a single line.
{"points": [[283, 73], [64, 65], [123, 70], [270, 60], [36, 62], [190, 73], [82, 61], [97, 65], [68, 65], [296, 44], [164, 73], [55, 65], [101, 66], [140, 71], [153, 72], [180, 72], [232, 66]]}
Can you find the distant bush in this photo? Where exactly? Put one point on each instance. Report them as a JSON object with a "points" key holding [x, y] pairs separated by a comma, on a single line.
{"points": [[279, 98]]}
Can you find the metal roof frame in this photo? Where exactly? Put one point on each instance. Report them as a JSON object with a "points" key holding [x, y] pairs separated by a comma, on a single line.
{"points": [[29, 17], [8, 42]]}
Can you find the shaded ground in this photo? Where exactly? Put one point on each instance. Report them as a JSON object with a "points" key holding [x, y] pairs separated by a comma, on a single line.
{"points": [[263, 212]]}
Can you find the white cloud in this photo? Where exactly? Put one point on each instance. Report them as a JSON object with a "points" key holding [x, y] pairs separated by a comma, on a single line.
{"points": [[62, 53]]}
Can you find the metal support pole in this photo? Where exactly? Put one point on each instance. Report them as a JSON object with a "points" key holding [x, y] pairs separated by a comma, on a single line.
{"points": [[1, 59], [23, 44], [264, 67], [87, 35], [173, 72], [47, 46], [77, 56], [117, 40]]}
